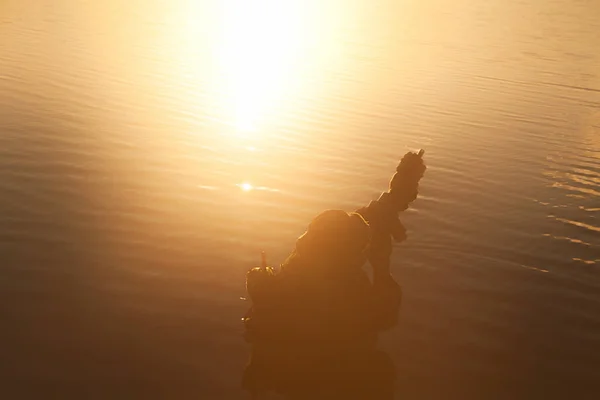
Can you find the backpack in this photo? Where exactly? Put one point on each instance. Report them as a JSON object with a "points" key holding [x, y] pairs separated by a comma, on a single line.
{"points": [[260, 282]]}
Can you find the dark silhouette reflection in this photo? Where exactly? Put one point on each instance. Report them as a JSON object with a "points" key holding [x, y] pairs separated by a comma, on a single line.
{"points": [[313, 324]]}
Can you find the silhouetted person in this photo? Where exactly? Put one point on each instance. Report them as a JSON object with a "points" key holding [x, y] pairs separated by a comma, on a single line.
{"points": [[313, 325]]}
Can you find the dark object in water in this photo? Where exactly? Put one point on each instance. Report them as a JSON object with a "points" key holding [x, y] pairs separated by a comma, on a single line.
{"points": [[313, 324], [403, 190]]}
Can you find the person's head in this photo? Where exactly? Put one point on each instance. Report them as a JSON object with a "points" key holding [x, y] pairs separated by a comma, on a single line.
{"points": [[335, 238]]}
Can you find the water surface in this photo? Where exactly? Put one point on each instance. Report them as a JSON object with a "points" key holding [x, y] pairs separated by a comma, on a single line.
{"points": [[130, 133]]}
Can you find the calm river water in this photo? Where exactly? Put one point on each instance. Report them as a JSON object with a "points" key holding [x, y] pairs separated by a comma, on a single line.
{"points": [[150, 149]]}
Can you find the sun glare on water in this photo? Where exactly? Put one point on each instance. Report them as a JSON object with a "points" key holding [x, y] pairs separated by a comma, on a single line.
{"points": [[256, 53], [262, 52], [242, 67], [246, 187], [246, 60]]}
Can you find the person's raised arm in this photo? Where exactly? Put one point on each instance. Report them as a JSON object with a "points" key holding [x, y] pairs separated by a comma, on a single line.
{"points": [[382, 217]]}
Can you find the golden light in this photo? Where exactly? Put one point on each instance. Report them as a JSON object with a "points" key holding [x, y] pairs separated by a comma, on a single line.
{"points": [[263, 49], [246, 60], [246, 187], [259, 41]]}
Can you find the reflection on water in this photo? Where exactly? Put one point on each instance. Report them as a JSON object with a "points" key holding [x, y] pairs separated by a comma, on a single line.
{"points": [[260, 56], [262, 47], [150, 150]]}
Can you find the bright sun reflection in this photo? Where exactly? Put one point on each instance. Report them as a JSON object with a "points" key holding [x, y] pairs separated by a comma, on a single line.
{"points": [[256, 55], [246, 187], [244, 61], [261, 50]]}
